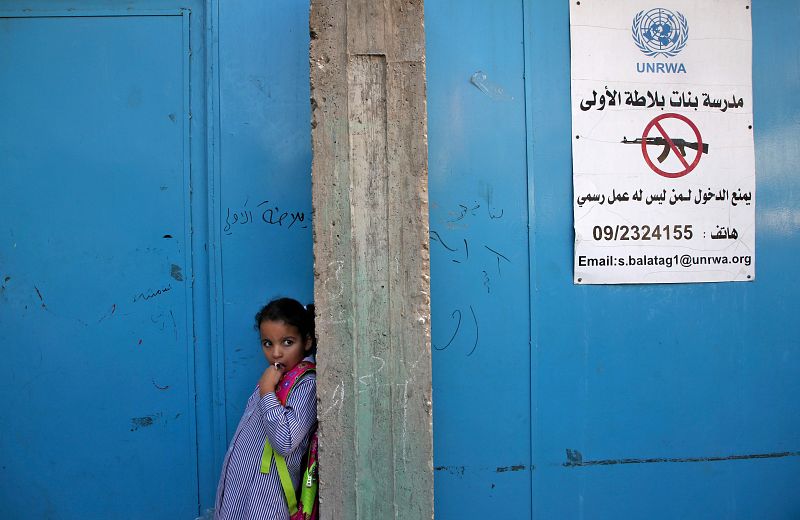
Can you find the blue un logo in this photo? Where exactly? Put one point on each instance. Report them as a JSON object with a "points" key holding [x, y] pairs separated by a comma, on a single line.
{"points": [[660, 32]]}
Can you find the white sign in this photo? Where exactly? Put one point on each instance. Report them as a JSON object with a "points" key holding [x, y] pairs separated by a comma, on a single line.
{"points": [[663, 160]]}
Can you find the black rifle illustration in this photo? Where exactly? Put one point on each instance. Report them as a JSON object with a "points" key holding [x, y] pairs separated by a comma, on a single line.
{"points": [[680, 144]]}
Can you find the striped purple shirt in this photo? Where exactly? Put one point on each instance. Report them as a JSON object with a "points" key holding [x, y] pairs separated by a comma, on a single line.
{"points": [[244, 493]]}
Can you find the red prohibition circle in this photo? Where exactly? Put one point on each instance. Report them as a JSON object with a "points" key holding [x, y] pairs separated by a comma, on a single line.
{"points": [[687, 167]]}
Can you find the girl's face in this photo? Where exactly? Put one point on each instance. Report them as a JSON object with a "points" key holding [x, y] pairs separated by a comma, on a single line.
{"points": [[282, 343]]}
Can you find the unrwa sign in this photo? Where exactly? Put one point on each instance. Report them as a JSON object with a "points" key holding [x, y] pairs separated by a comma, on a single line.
{"points": [[660, 32], [642, 216], [661, 68]]}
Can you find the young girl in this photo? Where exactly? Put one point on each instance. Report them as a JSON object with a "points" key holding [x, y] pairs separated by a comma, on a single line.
{"points": [[246, 490]]}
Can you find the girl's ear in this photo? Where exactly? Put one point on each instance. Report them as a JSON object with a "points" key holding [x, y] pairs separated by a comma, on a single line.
{"points": [[309, 342]]}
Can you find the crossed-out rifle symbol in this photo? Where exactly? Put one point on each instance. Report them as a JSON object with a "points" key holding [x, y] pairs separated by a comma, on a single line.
{"points": [[680, 144]]}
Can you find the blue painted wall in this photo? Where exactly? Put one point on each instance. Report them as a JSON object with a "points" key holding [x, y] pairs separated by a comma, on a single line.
{"points": [[97, 311], [264, 175], [479, 258], [656, 401], [155, 170], [260, 139], [99, 160]]}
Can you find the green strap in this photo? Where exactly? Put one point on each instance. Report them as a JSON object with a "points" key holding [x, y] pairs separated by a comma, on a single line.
{"points": [[266, 458], [283, 473], [286, 482]]}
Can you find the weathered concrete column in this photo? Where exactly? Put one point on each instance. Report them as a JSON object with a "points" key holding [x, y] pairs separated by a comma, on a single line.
{"points": [[371, 258]]}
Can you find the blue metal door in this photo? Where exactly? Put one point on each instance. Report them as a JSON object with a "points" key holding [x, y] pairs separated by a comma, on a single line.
{"points": [[97, 265], [264, 165], [559, 401], [665, 401], [479, 259], [156, 192]]}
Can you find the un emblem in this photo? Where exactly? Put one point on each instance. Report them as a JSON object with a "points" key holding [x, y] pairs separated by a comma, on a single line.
{"points": [[660, 31]]}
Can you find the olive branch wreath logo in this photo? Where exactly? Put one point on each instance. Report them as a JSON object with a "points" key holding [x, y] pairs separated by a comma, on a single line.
{"points": [[680, 43]]}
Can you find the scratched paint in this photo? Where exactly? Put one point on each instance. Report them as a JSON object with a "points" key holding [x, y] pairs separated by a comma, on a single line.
{"points": [[482, 82], [460, 470], [145, 421], [176, 272], [575, 459], [41, 299]]}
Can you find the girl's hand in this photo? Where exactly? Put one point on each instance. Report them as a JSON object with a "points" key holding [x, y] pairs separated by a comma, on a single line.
{"points": [[269, 379]]}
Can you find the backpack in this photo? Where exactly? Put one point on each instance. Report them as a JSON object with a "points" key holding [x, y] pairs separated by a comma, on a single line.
{"points": [[308, 506]]}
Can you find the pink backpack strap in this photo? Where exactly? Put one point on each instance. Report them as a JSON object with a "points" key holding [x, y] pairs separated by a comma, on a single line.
{"points": [[291, 377]]}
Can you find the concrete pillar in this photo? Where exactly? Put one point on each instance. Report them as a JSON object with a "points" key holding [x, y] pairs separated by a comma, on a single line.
{"points": [[369, 133]]}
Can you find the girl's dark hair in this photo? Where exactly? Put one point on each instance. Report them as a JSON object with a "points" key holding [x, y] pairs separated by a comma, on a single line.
{"points": [[291, 312]]}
